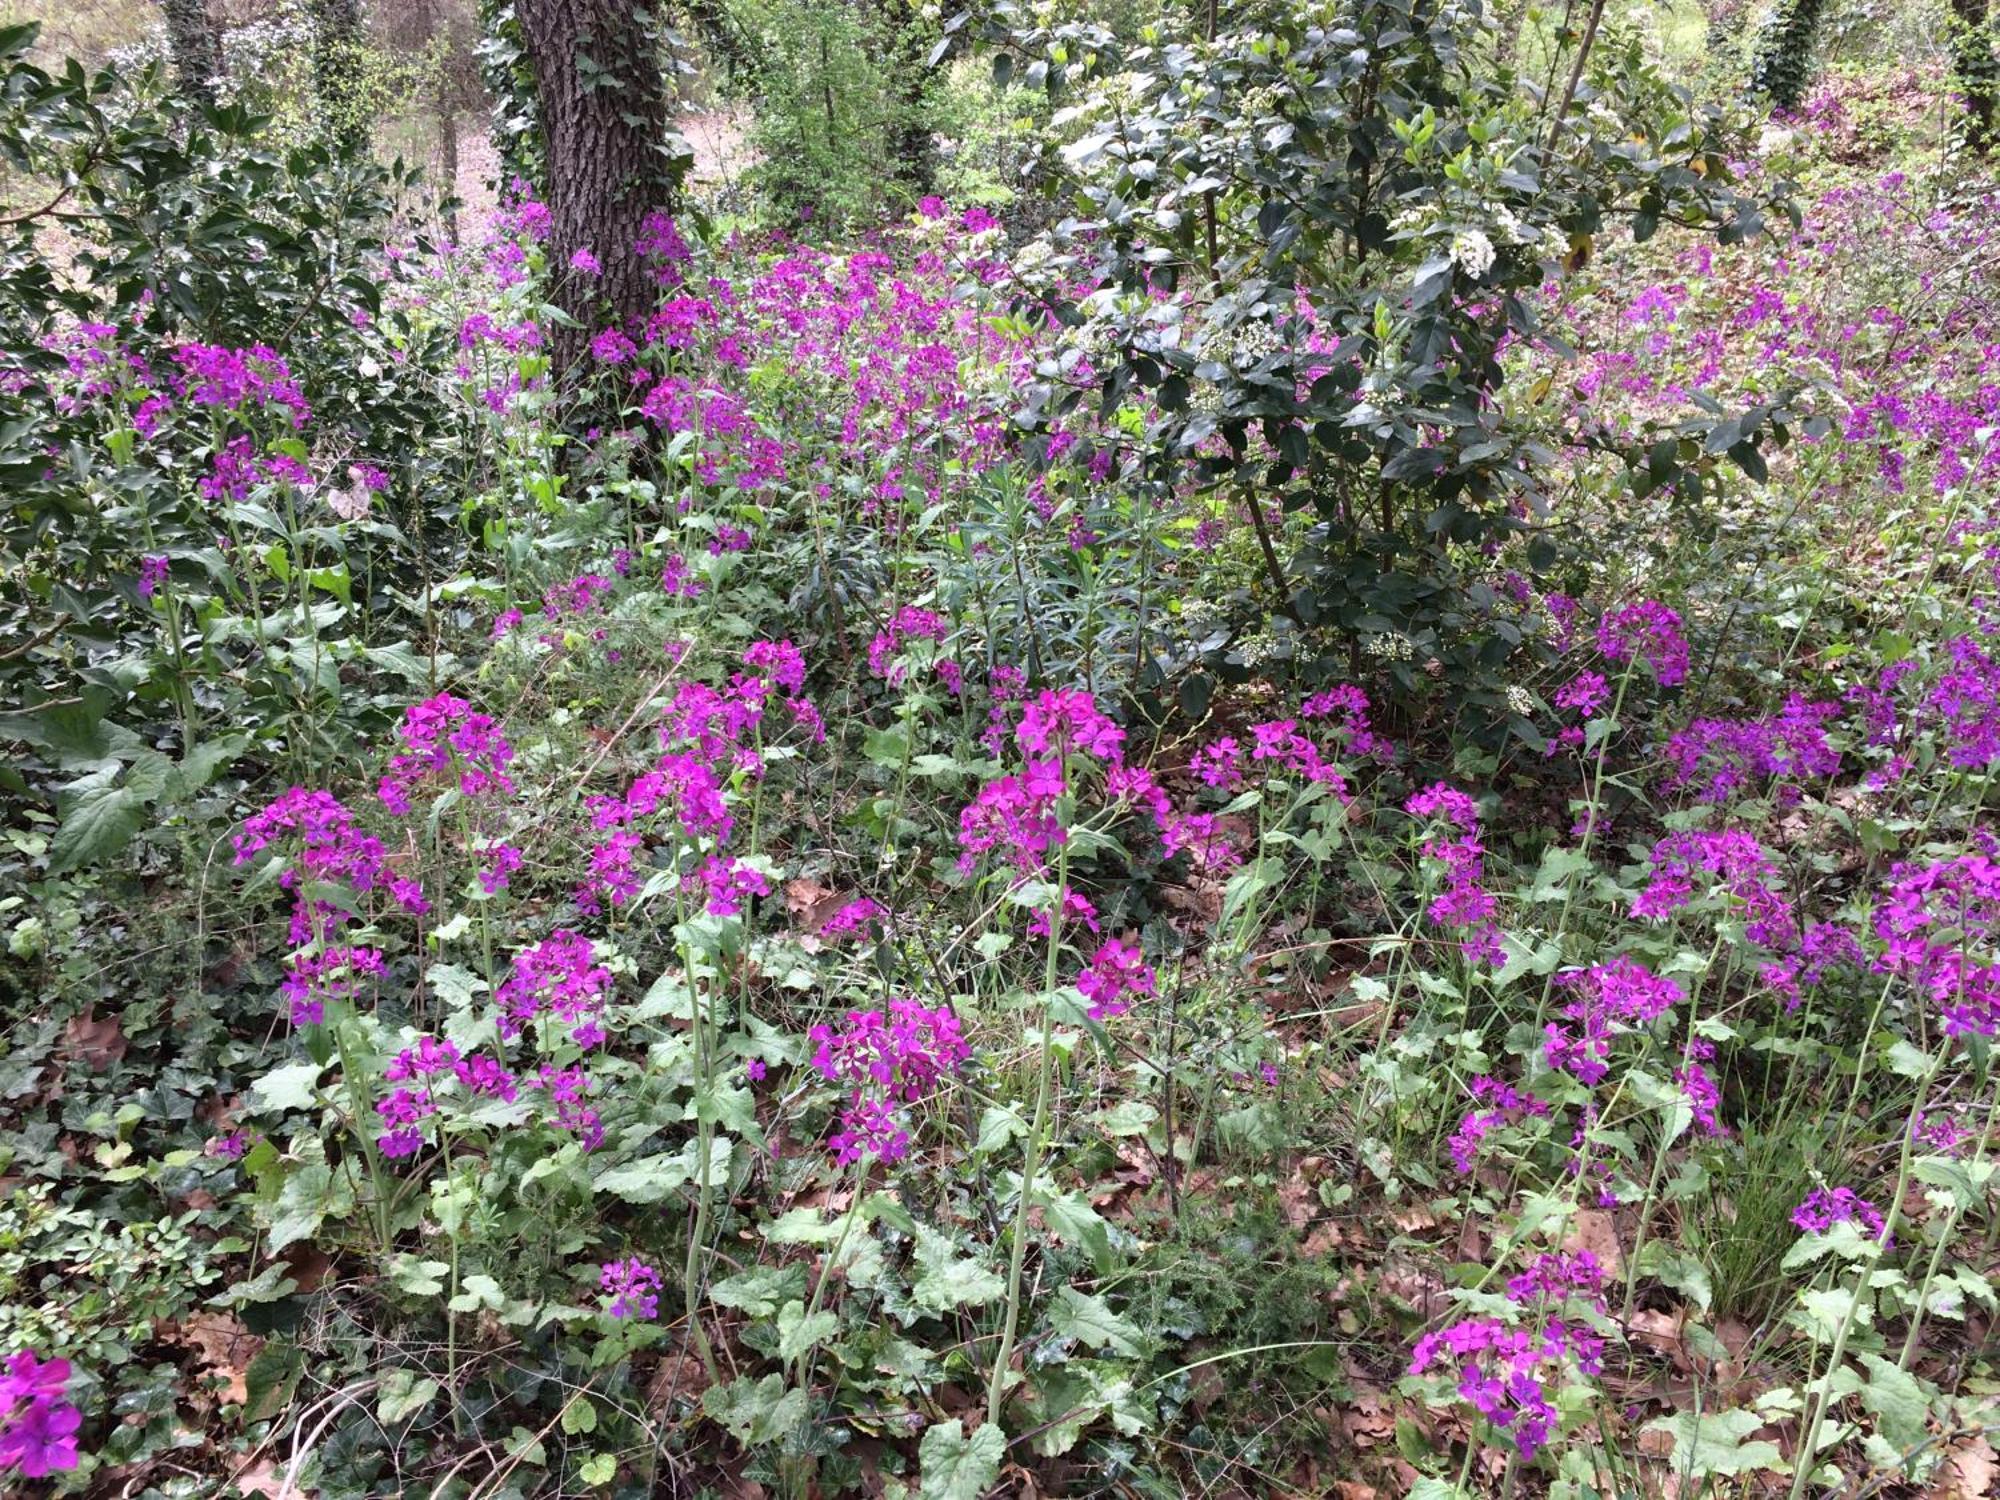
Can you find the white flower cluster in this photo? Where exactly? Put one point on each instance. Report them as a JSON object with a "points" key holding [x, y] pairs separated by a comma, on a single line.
{"points": [[1252, 342], [1521, 701], [1394, 646], [1472, 252]]}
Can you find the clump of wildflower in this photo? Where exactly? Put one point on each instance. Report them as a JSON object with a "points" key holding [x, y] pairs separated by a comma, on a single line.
{"points": [[1076, 908], [1350, 703], [1649, 632], [729, 883], [1505, 1372], [333, 973], [585, 594], [1939, 924], [1967, 697], [37, 1426], [1556, 1277], [631, 1288], [1823, 1208], [152, 573], [1016, 814], [1465, 902], [503, 862], [886, 1059], [1717, 758], [559, 975], [852, 920], [437, 734], [1060, 722], [1605, 997], [1745, 871], [1496, 1105], [908, 624], [567, 1089], [1118, 973]]}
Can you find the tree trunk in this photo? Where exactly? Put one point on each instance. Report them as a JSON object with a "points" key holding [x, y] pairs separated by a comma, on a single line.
{"points": [[337, 66], [1784, 65], [602, 104], [1975, 72], [196, 48]]}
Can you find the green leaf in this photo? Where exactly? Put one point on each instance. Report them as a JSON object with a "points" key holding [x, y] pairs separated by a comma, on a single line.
{"points": [[403, 1395], [797, 1333], [1090, 1321], [756, 1412], [597, 1470], [99, 820], [647, 1180], [477, 1292], [760, 1291], [950, 1280], [955, 1467], [997, 1126], [290, 1087], [272, 1376], [1072, 1220], [1713, 1444], [419, 1278], [302, 1204], [579, 1416], [1897, 1399]]}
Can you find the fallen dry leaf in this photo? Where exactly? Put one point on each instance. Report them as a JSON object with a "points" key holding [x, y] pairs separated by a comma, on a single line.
{"points": [[98, 1043], [225, 1346], [1967, 1473], [1596, 1231]]}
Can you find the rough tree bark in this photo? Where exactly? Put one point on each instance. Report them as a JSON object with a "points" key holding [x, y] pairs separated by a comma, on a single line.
{"points": [[602, 103], [337, 63], [196, 48]]}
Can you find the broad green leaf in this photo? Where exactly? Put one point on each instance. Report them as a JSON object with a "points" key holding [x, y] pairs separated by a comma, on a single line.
{"points": [[403, 1395], [756, 1411], [476, 1292], [951, 1280], [760, 1291], [797, 1332], [956, 1467], [1712, 1443], [290, 1087], [1090, 1321], [99, 819], [1897, 1400], [647, 1180]]}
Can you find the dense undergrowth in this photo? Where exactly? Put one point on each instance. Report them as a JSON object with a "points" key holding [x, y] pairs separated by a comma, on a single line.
{"points": [[772, 926]]}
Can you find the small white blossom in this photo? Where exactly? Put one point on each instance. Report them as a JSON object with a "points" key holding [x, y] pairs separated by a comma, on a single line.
{"points": [[1473, 252]]}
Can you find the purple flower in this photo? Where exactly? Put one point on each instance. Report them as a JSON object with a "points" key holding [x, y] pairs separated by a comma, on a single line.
{"points": [[37, 1427], [152, 573], [885, 1060], [1823, 1209], [1504, 1372], [1117, 971], [632, 1288], [1647, 631], [585, 262], [1618, 994]]}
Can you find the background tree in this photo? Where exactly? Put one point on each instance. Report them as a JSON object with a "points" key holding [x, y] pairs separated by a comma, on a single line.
{"points": [[196, 47], [1783, 67], [1976, 72], [339, 65], [612, 156]]}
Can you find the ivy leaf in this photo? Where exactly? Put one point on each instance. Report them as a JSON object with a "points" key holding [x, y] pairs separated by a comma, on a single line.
{"points": [[302, 1204], [271, 1378], [956, 1467]]}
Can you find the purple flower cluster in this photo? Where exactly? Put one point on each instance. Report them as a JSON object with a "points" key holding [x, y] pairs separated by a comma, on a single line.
{"points": [[1938, 924], [1823, 1208], [559, 976], [37, 1426], [427, 1064], [1715, 759], [1557, 1277], [1606, 998], [1465, 904], [437, 734], [632, 1288], [886, 1060], [1118, 973], [908, 624], [1496, 1105], [1744, 871], [1648, 632], [1505, 1372]]}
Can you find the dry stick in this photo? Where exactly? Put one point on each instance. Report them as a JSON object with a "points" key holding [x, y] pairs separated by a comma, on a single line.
{"points": [[1576, 71]]}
